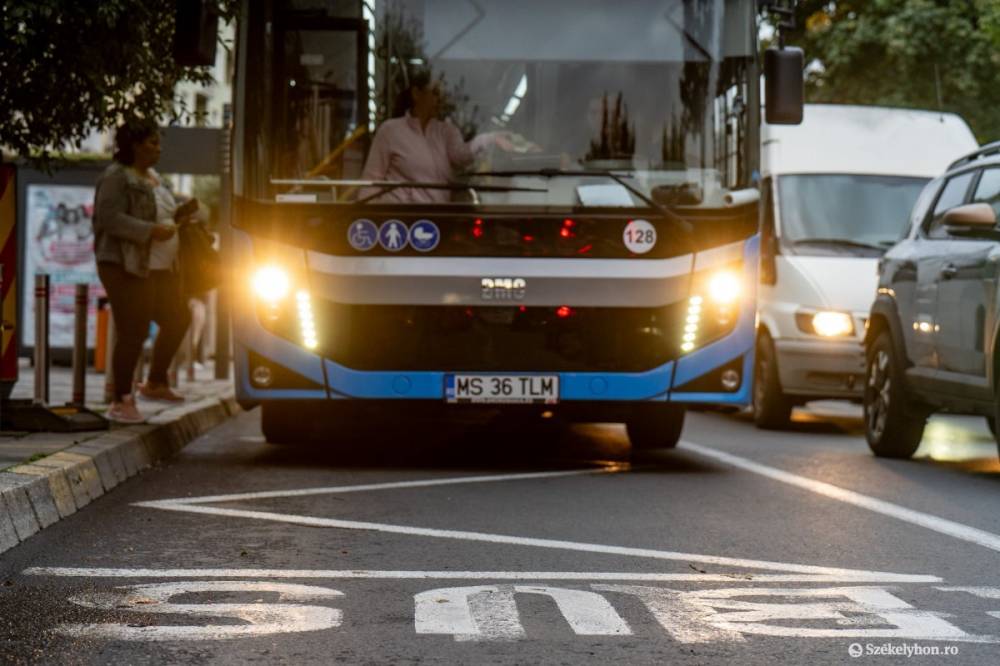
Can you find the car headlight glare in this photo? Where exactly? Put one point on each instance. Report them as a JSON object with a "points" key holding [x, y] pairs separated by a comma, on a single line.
{"points": [[832, 324], [271, 284], [724, 288]]}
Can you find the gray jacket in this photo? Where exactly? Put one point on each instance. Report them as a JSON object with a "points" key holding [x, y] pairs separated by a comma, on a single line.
{"points": [[124, 217]]}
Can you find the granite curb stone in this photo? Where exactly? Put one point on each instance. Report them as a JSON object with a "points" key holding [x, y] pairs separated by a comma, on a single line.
{"points": [[37, 494]]}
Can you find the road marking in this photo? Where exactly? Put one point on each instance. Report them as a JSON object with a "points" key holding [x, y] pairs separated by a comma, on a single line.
{"points": [[984, 592], [361, 574], [839, 573], [682, 619], [489, 612], [925, 520], [392, 485], [261, 618], [198, 505]]}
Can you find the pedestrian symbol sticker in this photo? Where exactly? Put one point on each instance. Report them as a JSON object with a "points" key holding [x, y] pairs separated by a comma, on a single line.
{"points": [[362, 235], [424, 236], [393, 235]]}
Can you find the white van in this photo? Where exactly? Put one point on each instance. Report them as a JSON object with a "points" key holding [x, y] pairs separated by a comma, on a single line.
{"points": [[836, 193]]}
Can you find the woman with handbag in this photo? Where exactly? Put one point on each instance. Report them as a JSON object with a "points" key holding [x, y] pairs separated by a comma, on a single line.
{"points": [[136, 243]]}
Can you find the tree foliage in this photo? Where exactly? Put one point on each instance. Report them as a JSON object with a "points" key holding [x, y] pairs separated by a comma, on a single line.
{"points": [[68, 67], [929, 54]]}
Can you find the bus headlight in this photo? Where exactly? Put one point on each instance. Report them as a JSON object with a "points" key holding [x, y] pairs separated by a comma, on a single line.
{"points": [[713, 307], [832, 324], [271, 284], [724, 288]]}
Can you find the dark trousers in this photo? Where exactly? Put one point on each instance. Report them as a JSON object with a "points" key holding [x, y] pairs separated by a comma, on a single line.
{"points": [[135, 302]]}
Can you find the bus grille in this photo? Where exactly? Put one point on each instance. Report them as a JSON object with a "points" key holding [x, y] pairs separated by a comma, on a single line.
{"points": [[449, 338]]}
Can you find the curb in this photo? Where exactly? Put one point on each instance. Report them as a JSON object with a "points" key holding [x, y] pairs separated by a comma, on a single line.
{"points": [[38, 494]]}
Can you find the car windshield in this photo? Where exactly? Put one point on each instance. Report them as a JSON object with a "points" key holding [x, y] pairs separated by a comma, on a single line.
{"points": [[845, 213], [655, 89]]}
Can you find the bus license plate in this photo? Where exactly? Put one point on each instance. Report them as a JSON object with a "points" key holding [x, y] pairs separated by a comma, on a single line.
{"points": [[502, 388]]}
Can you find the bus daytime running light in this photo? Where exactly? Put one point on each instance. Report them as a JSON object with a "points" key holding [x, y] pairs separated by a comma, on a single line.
{"points": [[691, 324], [306, 321], [271, 284]]}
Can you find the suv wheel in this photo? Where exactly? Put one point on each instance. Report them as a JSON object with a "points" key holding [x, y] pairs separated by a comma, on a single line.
{"points": [[893, 426], [772, 410]]}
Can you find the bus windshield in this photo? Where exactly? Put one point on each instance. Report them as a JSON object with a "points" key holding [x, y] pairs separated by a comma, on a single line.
{"points": [[545, 96]]}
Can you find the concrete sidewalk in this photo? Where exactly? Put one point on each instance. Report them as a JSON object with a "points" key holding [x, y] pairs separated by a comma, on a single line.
{"points": [[47, 476]]}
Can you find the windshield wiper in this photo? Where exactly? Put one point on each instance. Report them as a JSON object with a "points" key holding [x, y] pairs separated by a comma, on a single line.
{"points": [[385, 186], [844, 242], [617, 177]]}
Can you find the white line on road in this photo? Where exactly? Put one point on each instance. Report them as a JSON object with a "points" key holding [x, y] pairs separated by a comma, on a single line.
{"points": [[925, 520], [334, 574], [312, 521], [394, 485]]}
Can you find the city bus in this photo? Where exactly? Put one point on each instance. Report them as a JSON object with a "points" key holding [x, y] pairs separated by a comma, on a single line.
{"points": [[597, 261]]}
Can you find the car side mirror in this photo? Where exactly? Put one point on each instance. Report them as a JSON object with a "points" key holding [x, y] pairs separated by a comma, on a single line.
{"points": [[784, 86], [975, 216]]}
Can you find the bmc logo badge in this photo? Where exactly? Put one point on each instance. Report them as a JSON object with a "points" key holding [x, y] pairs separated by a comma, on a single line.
{"points": [[503, 289]]}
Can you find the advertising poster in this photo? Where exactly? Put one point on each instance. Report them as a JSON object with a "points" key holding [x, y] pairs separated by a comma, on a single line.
{"points": [[59, 241]]}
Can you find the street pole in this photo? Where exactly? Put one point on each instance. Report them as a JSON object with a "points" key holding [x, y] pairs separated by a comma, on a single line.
{"points": [[222, 324], [81, 301], [42, 339]]}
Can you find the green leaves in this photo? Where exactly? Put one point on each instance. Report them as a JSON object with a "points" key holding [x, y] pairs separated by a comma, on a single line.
{"points": [[71, 67], [930, 54]]}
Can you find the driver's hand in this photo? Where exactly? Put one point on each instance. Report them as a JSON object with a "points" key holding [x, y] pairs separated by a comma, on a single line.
{"points": [[515, 143]]}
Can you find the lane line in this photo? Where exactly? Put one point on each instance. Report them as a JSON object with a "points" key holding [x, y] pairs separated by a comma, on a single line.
{"points": [[925, 520], [312, 521], [393, 485], [362, 574]]}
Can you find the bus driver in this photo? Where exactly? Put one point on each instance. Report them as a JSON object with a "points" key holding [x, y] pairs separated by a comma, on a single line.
{"points": [[415, 145]]}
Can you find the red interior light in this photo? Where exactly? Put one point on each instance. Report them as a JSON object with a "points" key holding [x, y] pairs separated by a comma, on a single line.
{"points": [[569, 223], [564, 311], [528, 239], [477, 232], [585, 249], [479, 222], [565, 232]]}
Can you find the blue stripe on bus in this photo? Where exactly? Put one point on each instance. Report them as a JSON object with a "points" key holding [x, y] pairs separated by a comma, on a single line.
{"points": [[741, 397], [651, 385]]}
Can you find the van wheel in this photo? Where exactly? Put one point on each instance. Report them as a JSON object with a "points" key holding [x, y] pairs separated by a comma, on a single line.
{"points": [[657, 428], [893, 424], [772, 409]]}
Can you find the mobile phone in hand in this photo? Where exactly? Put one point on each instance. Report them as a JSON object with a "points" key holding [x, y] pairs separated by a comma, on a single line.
{"points": [[189, 207]]}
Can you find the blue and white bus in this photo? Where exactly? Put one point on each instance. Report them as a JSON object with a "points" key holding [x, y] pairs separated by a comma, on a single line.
{"points": [[601, 266]]}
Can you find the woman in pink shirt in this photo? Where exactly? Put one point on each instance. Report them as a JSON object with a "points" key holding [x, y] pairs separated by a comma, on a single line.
{"points": [[417, 146]]}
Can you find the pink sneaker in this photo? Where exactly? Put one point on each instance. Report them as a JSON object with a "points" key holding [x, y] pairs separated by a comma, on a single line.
{"points": [[159, 392], [125, 411]]}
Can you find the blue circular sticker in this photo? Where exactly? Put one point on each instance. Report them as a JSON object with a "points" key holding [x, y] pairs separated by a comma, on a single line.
{"points": [[393, 235], [424, 236], [362, 235]]}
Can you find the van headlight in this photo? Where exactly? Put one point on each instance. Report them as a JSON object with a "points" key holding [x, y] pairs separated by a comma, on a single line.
{"points": [[825, 323], [831, 324]]}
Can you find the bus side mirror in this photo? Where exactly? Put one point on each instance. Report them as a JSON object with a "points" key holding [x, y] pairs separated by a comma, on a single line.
{"points": [[784, 94], [196, 33]]}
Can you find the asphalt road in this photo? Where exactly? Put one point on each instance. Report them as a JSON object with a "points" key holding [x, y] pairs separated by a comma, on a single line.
{"points": [[538, 545]]}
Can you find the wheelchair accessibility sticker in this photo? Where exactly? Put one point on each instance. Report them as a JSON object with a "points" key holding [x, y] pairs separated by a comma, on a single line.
{"points": [[362, 235]]}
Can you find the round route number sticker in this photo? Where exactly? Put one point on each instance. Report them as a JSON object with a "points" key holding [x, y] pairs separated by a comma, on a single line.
{"points": [[639, 236]]}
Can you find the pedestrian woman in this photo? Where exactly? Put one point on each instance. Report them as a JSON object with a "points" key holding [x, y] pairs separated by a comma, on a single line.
{"points": [[135, 218], [415, 145]]}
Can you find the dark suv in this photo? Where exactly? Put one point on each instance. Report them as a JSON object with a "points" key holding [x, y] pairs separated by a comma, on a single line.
{"points": [[932, 338]]}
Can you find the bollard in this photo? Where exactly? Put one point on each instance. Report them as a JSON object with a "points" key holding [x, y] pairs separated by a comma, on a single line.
{"points": [[109, 346], [42, 339], [82, 303]]}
